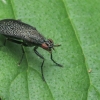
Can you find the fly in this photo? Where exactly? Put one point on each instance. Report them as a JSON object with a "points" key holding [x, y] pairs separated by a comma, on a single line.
{"points": [[28, 36]]}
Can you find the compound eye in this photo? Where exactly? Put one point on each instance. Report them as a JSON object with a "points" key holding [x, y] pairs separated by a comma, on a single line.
{"points": [[51, 41], [48, 44]]}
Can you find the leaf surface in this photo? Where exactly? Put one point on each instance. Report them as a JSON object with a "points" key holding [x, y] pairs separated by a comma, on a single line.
{"points": [[71, 23]]}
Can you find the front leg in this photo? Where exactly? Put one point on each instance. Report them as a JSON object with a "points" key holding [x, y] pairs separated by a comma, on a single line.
{"points": [[55, 61], [37, 53]]}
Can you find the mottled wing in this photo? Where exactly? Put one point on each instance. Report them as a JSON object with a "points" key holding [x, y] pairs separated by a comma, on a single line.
{"points": [[19, 30]]}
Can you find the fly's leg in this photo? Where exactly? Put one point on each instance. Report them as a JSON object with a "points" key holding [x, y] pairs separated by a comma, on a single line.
{"points": [[55, 61], [12, 40], [37, 53], [18, 42], [5, 41], [21, 56]]}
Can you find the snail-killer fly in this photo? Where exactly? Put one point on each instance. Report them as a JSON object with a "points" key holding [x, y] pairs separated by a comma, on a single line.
{"points": [[26, 35]]}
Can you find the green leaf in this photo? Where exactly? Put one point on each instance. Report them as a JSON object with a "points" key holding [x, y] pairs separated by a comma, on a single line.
{"points": [[72, 23]]}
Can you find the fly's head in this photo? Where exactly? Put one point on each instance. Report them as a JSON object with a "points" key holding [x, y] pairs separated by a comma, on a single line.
{"points": [[49, 45]]}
